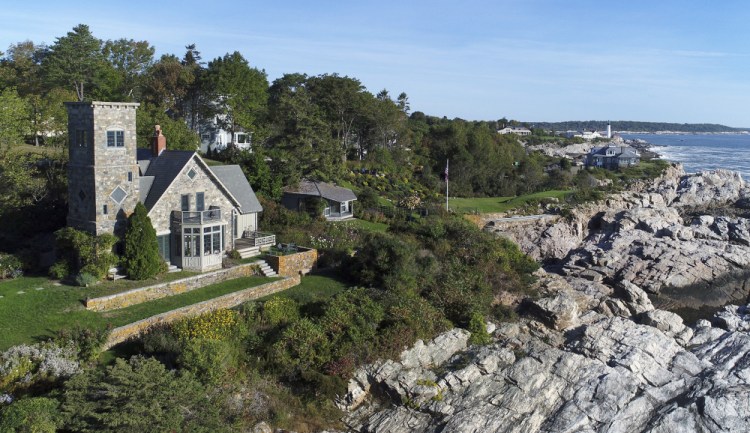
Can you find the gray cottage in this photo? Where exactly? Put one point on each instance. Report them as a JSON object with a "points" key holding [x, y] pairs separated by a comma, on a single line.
{"points": [[612, 157], [339, 200], [199, 212]]}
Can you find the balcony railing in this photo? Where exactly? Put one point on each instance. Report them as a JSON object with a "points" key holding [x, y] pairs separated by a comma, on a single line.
{"points": [[202, 217], [260, 239]]}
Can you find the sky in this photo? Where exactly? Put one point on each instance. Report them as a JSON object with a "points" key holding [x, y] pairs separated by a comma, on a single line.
{"points": [[531, 60]]}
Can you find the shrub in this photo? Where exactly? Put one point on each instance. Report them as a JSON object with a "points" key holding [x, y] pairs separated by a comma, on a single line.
{"points": [[139, 395], [59, 270], [25, 364], [82, 252], [84, 279], [234, 255], [478, 330], [31, 415], [302, 346], [209, 360], [216, 325], [280, 310], [10, 266], [141, 259], [87, 341]]}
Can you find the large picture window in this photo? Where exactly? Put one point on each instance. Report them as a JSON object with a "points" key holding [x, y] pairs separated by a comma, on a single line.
{"points": [[115, 138], [212, 240], [192, 242]]}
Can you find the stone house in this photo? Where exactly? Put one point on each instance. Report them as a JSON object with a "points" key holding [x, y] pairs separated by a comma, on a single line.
{"points": [[339, 200], [198, 211], [612, 157]]}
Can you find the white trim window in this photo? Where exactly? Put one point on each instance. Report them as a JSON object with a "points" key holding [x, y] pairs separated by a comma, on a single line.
{"points": [[212, 240], [192, 242]]}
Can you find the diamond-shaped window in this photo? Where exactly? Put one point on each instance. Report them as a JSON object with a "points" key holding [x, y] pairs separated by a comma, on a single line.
{"points": [[82, 195], [192, 173], [118, 195]]}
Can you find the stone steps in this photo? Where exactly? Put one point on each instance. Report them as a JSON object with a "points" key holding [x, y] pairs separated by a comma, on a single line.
{"points": [[172, 268], [249, 252], [266, 269]]}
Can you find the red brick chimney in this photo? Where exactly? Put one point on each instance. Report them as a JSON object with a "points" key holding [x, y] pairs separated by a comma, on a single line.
{"points": [[160, 142]]}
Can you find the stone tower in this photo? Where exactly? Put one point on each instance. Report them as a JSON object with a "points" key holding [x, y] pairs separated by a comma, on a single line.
{"points": [[103, 170]]}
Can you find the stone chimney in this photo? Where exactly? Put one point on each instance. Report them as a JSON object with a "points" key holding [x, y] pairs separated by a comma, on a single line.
{"points": [[160, 142]]}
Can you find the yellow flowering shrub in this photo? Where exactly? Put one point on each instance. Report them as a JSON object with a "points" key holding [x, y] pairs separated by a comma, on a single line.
{"points": [[216, 325]]}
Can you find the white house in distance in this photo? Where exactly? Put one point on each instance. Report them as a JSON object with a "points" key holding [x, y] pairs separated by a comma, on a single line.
{"points": [[214, 137], [591, 135], [514, 130]]}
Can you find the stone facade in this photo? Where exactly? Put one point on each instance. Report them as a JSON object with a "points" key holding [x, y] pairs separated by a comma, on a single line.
{"points": [[301, 262], [96, 170], [157, 291], [166, 216], [135, 329]]}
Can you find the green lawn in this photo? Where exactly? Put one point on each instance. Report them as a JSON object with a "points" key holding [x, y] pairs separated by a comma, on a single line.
{"points": [[499, 204], [365, 225], [314, 288], [32, 308]]}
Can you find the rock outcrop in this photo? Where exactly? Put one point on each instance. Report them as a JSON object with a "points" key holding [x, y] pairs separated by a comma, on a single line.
{"points": [[665, 237], [595, 371]]}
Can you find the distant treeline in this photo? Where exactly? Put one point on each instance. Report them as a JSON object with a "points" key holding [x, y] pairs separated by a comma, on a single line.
{"points": [[627, 125]]}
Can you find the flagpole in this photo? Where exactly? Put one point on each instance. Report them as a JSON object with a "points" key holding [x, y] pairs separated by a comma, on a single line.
{"points": [[446, 184]]}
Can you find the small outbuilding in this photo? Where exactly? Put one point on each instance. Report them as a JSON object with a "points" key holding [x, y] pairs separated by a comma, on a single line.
{"points": [[339, 201]]}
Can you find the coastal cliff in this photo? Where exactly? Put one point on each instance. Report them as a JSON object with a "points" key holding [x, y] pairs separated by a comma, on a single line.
{"points": [[589, 358], [683, 238], [592, 352]]}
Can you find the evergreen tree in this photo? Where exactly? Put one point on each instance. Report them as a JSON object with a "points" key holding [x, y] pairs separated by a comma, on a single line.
{"points": [[142, 259]]}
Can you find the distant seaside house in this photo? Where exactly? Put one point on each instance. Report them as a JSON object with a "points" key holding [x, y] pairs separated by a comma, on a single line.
{"points": [[612, 157], [339, 201], [514, 130], [215, 137], [198, 212], [586, 135]]}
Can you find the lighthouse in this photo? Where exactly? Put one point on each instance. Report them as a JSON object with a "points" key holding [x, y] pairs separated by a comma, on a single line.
{"points": [[609, 130]]}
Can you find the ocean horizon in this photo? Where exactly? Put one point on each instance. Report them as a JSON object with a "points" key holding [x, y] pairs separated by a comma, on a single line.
{"points": [[701, 152]]}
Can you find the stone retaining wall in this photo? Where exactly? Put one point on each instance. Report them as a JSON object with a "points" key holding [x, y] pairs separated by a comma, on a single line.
{"points": [[145, 294], [135, 329], [302, 262]]}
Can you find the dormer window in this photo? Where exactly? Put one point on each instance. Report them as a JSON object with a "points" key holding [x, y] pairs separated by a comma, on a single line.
{"points": [[115, 138]]}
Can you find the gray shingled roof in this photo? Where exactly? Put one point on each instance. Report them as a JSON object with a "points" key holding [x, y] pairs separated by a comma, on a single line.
{"points": [[234, 179], [144, 186], [323, 189], [164, 169]]}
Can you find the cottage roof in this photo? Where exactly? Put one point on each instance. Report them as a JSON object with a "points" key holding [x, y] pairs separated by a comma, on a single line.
{"points": [[164, 170], [322, 189], [235, 181]]}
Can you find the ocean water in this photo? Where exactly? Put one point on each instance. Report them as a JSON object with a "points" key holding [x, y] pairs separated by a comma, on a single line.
{"points": [[699, 152]]}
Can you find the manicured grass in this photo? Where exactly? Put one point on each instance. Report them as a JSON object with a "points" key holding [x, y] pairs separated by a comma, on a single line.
{"points": [[365, 225], [499, 204], [111, 287], [28, 314], [148, 309], [33, 308], [314, 288]]}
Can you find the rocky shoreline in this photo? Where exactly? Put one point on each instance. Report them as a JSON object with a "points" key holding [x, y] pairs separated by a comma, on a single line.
{"points": [[593, 353]]}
